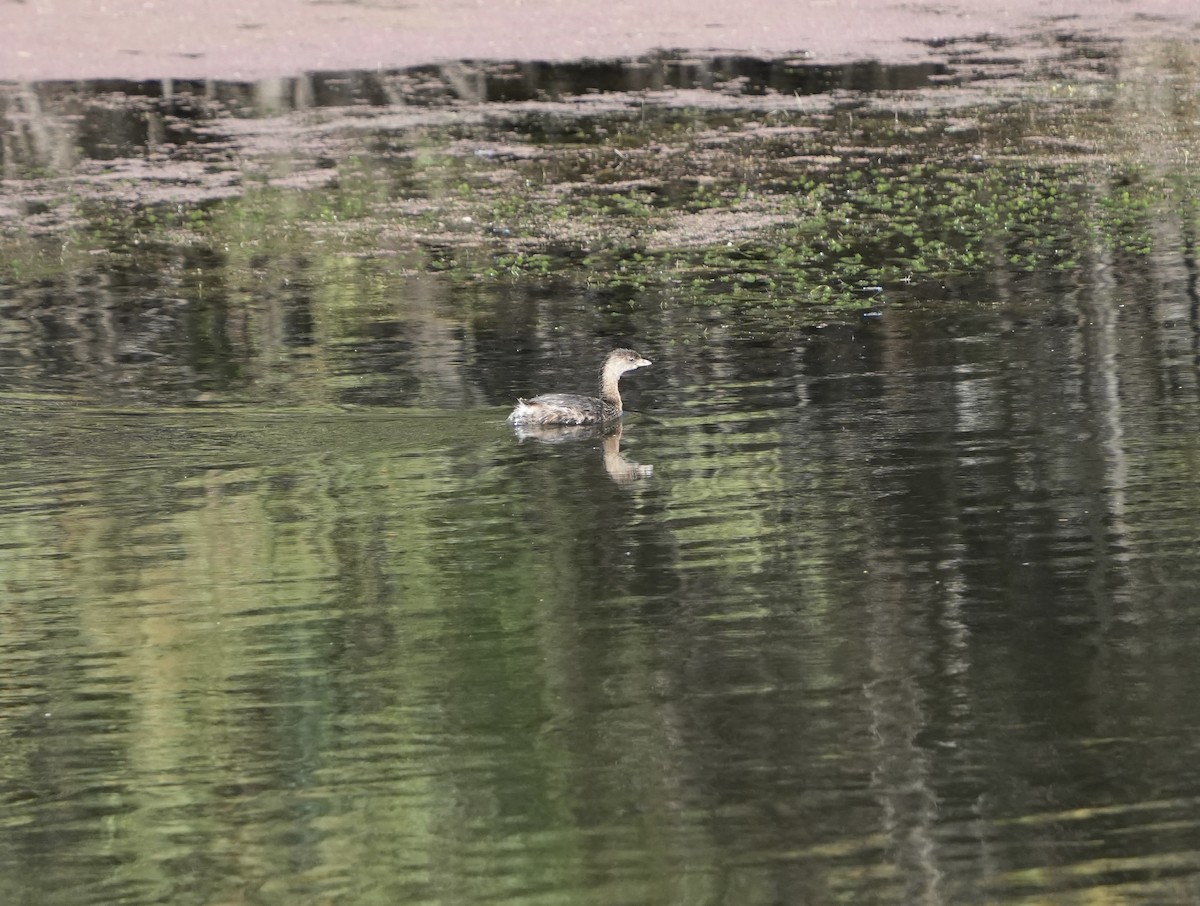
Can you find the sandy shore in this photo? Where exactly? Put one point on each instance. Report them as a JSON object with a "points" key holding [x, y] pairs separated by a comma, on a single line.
{"points": [[255, 39]]}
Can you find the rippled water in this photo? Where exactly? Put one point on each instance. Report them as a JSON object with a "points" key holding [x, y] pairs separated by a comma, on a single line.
{"points": [[905, 613], [894, 606]]}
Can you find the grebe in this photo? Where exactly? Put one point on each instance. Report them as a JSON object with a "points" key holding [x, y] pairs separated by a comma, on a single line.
{"points": [[573, 409]]}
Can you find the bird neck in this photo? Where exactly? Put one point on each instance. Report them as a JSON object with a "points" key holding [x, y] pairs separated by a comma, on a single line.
{"points": [[609, 391]]}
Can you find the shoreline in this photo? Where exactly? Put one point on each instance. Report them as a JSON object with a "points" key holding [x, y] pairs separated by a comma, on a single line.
{"points": [[67, 40]]}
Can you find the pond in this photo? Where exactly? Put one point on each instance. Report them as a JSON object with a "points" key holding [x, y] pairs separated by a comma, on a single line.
{"points": [[886, 590]]}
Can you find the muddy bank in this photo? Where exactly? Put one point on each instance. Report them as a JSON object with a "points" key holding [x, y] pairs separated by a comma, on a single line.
{"points": [[224, 39]]}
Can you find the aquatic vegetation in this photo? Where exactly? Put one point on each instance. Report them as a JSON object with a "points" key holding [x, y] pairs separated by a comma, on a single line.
{"points": [[845, 200]]}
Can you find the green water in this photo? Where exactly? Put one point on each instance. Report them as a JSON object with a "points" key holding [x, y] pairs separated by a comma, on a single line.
{"points": [[885, 593]]}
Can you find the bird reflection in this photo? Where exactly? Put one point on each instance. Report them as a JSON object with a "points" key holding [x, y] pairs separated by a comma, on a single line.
{"points": [[619, 469]]}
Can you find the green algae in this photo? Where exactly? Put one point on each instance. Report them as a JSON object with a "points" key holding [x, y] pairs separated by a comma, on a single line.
{"points": [[846, 200]]}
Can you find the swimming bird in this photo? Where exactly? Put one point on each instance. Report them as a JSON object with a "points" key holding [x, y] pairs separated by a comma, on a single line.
{"points": [[575, 409]]}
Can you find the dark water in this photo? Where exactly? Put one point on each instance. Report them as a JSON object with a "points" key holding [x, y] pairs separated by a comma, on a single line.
{"points": [[896, 604]]}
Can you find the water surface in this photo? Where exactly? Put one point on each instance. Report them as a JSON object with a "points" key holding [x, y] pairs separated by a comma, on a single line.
{"points": [[883, 594]]}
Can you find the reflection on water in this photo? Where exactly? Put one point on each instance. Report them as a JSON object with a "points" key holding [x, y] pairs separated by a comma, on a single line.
{"points": [[619, 468], [903, 611], [904, 615]]}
